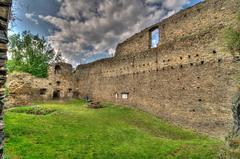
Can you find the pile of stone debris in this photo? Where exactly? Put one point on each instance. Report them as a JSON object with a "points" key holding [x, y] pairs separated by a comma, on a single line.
{"points": [[95, 105], [92, 104]]}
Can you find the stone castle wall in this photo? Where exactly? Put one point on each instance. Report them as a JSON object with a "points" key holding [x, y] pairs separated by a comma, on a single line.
{"points": [[189, 79]]}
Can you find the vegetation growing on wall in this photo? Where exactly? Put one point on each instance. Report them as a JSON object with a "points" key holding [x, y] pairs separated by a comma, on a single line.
{"points": [[30, 54], [232, 38]]}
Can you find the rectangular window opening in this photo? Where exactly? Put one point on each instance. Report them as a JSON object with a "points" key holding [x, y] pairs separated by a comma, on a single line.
{"points": [[125, 95], [43, 91], [155, 37]]}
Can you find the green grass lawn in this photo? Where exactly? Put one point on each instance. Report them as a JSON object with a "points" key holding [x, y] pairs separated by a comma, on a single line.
{"points": [[73, 131]]}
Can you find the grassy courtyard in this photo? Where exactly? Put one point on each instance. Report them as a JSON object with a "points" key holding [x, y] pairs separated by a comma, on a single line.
{"points": [[70, 130]]}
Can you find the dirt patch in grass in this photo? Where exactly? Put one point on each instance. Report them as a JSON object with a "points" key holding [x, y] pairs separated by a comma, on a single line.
{"points": [[35, 110]]}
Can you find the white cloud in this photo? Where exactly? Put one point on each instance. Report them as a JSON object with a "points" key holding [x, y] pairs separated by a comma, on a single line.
{"points": [[30, 16], [87, 27], [174, 4]]}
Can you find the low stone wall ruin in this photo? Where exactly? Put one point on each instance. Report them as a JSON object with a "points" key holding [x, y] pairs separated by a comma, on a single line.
{"points": [[24, 89]]}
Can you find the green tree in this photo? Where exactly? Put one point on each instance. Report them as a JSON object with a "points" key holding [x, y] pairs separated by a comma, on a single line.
{"points": [[29, 53]]}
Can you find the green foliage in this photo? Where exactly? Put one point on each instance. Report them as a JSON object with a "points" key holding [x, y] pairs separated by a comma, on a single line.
{"points": [[6, 91], [114, 132], [232, 38], [29, 53]]}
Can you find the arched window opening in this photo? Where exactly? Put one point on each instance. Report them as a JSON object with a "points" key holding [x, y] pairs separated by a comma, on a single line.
{"points": [[57, 69]]}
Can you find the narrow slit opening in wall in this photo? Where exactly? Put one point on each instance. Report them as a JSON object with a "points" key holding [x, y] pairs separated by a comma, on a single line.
{"points": [[238, 115], [116, 95], [154, 37]]}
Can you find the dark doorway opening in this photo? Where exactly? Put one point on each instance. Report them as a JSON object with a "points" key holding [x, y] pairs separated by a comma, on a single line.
{"points": [[75, 94], [56, 94]]}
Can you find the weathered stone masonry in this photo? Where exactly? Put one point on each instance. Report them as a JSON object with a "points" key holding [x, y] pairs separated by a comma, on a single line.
{"points": [[5, 6], [189, 79], [24, 89]]}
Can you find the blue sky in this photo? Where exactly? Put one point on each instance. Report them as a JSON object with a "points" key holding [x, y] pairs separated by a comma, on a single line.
{"points": [[87, 30]]}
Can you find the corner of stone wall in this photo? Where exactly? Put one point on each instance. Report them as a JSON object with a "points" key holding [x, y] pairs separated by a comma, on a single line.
{"points": [[5, 12], [232, 145]]}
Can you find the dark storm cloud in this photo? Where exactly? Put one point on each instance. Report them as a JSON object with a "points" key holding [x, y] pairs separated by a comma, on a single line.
{"points": [[85, 28]]}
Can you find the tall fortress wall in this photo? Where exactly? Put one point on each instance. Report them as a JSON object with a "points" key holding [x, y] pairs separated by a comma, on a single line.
{"points": [[189, 79]]}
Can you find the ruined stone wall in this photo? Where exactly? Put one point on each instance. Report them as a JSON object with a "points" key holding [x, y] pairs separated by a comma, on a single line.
{"points": [[189, 79], [19, 89], [24, 89], [61, 80]]}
